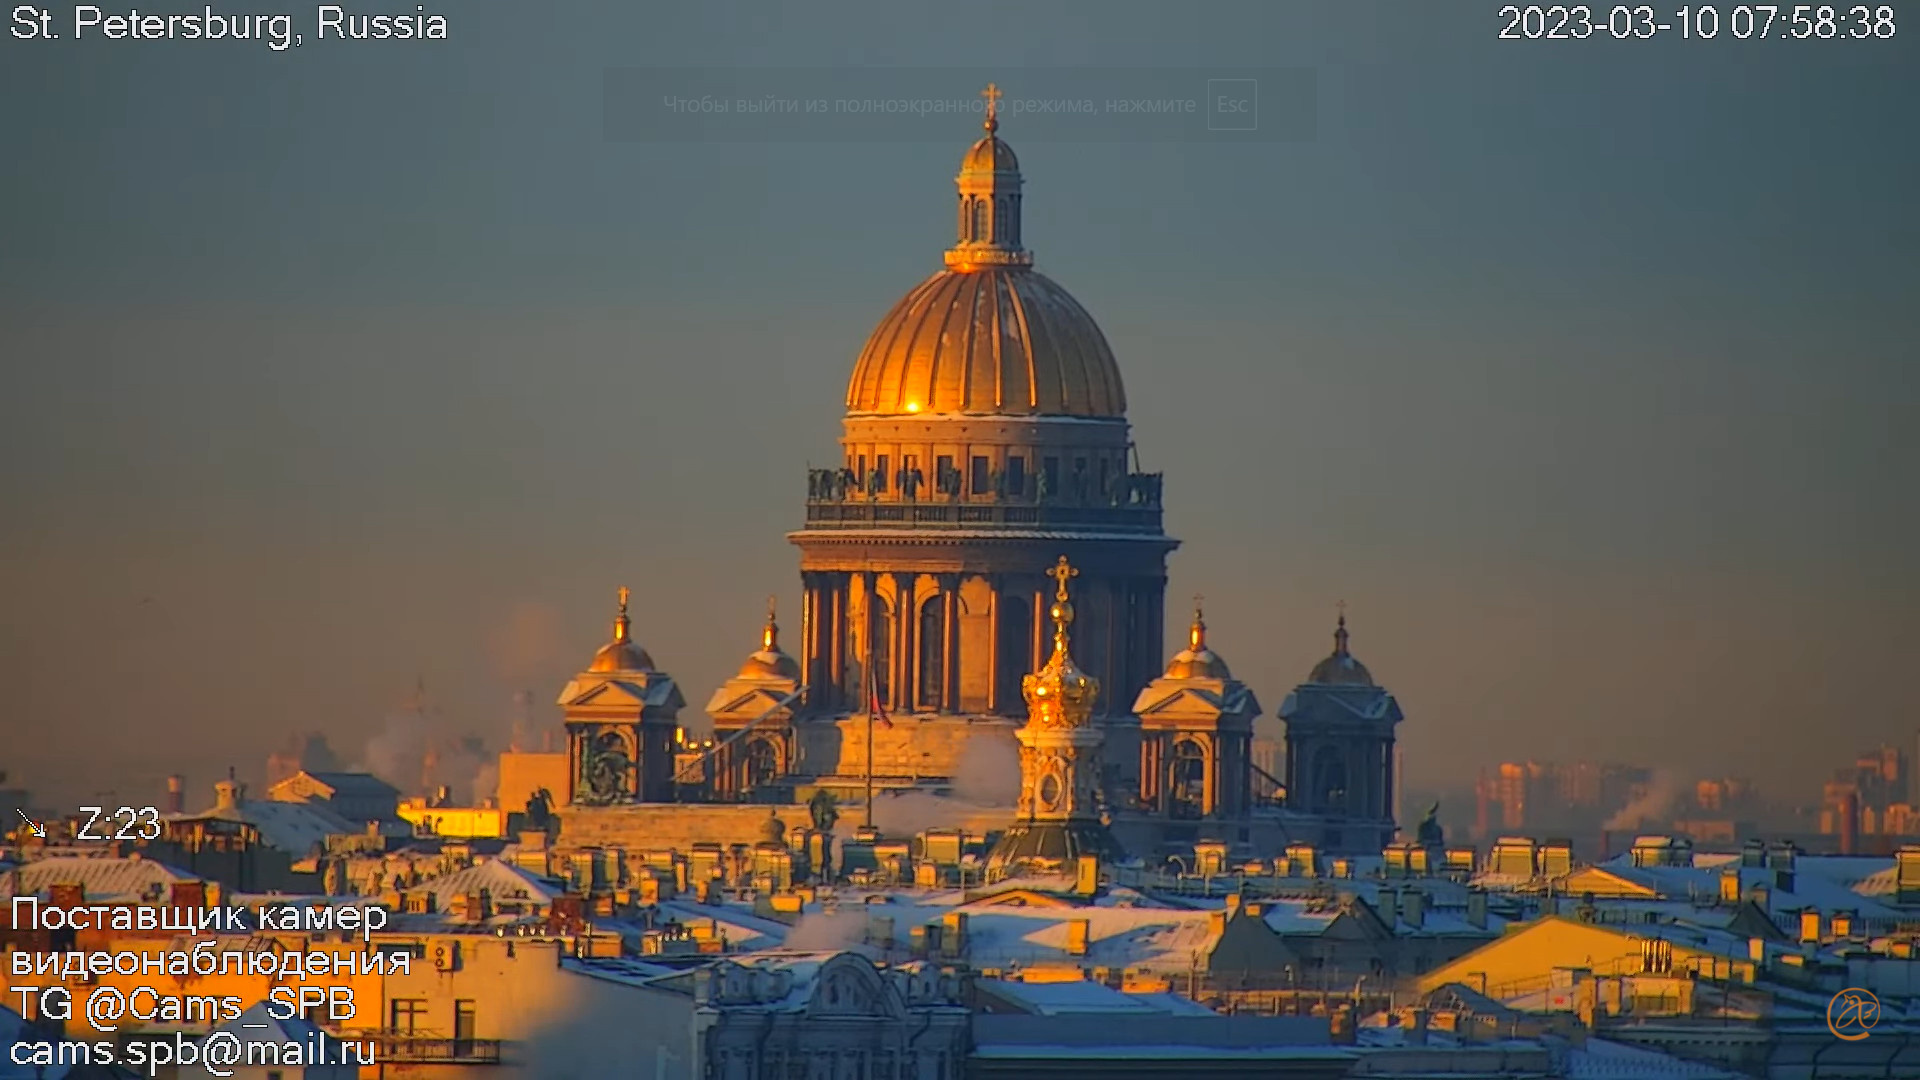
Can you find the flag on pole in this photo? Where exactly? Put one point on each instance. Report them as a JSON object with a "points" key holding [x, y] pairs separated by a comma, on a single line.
{"points": [[873, 697]]}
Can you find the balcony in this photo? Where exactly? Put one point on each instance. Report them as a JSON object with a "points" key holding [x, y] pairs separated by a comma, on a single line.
{"points": [[400, 1048], [1132, 505]]}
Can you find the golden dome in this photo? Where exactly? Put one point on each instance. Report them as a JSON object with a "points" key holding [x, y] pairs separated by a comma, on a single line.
{"points": [[622, 653], [1342, 668], [991, 154], [770, 662], [987, 335], [1001, 341], [1196, 661]]}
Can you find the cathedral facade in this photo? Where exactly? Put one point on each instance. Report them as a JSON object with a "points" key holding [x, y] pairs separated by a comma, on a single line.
{"points": [[985, 447]]}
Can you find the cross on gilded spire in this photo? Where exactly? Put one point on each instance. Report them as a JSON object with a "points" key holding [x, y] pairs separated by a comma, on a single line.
{"points": [[992, 94], [621, 624], [1061, 572]]}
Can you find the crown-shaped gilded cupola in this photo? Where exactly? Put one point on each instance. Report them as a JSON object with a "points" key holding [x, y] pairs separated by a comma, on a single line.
{"points": [[1060, 695]]}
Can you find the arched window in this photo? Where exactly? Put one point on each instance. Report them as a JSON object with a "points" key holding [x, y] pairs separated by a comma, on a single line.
{"points": [[966, 233], [880, 651], [1327, 782], [981, 221], [933, 651], [761, 765], [1187, 780], [1016, 652]]}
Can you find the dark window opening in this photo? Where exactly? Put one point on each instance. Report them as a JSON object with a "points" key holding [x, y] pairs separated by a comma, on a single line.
{"points": [[1016, 475], [1050, 474], [880, 468], [982, 482], [946, 478], [933, 651]]}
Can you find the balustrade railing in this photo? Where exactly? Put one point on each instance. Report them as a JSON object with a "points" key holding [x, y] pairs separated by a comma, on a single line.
{"points": [[1130, 504]]}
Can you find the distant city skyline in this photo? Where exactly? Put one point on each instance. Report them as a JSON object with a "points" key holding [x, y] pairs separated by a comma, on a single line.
{"points": [[1580, 374]]}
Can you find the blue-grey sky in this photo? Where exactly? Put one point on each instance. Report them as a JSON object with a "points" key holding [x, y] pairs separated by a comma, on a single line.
{"points": [[1583, 370]]}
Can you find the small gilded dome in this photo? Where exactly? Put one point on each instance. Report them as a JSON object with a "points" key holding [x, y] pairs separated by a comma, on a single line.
{"points": [[622, 653], [1002, 341], [990, 154], [1342, 668], [1196, 661], [770, 662]]}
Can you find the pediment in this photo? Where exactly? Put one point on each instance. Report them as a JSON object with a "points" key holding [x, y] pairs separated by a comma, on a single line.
{"points": [[1159, 700], [613, 693], [1023, 898], [655, 692], [1350, 925], [732, 700], [849, 986]]}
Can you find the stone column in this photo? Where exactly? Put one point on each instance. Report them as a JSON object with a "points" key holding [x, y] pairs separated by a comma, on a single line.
{"points": [[836, 635], [950, 643], [907, 618], [810, 636], [994, 674], [1042, 629], [864, 647]]}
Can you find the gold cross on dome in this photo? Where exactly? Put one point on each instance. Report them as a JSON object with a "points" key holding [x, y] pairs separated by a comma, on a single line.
{"points": [[1061, 572], [1199, 602], [624, 594], [992, 94]]}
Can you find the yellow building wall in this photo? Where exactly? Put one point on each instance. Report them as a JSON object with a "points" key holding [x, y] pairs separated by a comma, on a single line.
{"points": [[464, 822], [523, 774]]}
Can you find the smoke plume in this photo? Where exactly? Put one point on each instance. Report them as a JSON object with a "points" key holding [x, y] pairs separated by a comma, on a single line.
{"points": [[1654, 806]]}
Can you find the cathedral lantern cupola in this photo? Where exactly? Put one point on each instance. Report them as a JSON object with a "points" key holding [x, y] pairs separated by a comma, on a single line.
{"points": [[1060, 811], [989, 183], [1340, 751], [1196, 736], [621, 714]]}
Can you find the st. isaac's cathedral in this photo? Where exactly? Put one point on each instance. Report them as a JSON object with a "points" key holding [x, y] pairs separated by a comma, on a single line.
{"points": [[987, 569]]}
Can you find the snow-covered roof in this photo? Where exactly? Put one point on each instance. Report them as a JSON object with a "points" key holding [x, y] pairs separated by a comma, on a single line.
{"points": [[128, 880], [503, 881], [1087, 999], [293, 827], [1601, 1059]]}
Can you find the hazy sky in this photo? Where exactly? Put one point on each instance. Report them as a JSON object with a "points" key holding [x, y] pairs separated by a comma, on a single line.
{"points": [[1584, 371]]}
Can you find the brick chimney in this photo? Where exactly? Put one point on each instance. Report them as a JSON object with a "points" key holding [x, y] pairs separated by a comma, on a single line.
{"points": [[188, 894]]}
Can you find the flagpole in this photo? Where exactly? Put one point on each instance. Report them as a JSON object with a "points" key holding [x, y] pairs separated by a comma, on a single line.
{"points": [[873, 704]]}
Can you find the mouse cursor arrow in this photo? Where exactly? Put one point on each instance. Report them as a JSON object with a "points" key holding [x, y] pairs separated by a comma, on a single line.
{"points": [[38, 829]]}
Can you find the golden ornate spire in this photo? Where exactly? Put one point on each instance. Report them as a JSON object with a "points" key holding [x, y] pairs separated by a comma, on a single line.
{"points": [[770, 637], [1197, 634], [622, 626], [1060, 694], [992, 94]]}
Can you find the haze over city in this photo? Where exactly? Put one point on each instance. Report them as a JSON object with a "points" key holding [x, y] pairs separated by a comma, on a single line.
{"points": [[1583, 375]]}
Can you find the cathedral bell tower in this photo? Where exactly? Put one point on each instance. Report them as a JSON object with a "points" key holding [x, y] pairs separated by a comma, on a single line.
{"points": [[1340, 752], [621, 715], [1060, 811]]}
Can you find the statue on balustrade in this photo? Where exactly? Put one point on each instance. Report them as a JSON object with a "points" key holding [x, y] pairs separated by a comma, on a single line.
{"points": [[1042, 487], [875, 481], [824, 809], [997, 482]]}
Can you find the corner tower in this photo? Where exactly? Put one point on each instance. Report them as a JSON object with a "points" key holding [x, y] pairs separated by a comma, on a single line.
{"points": [[985, 433], [621, 714], [1340, 752]]}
